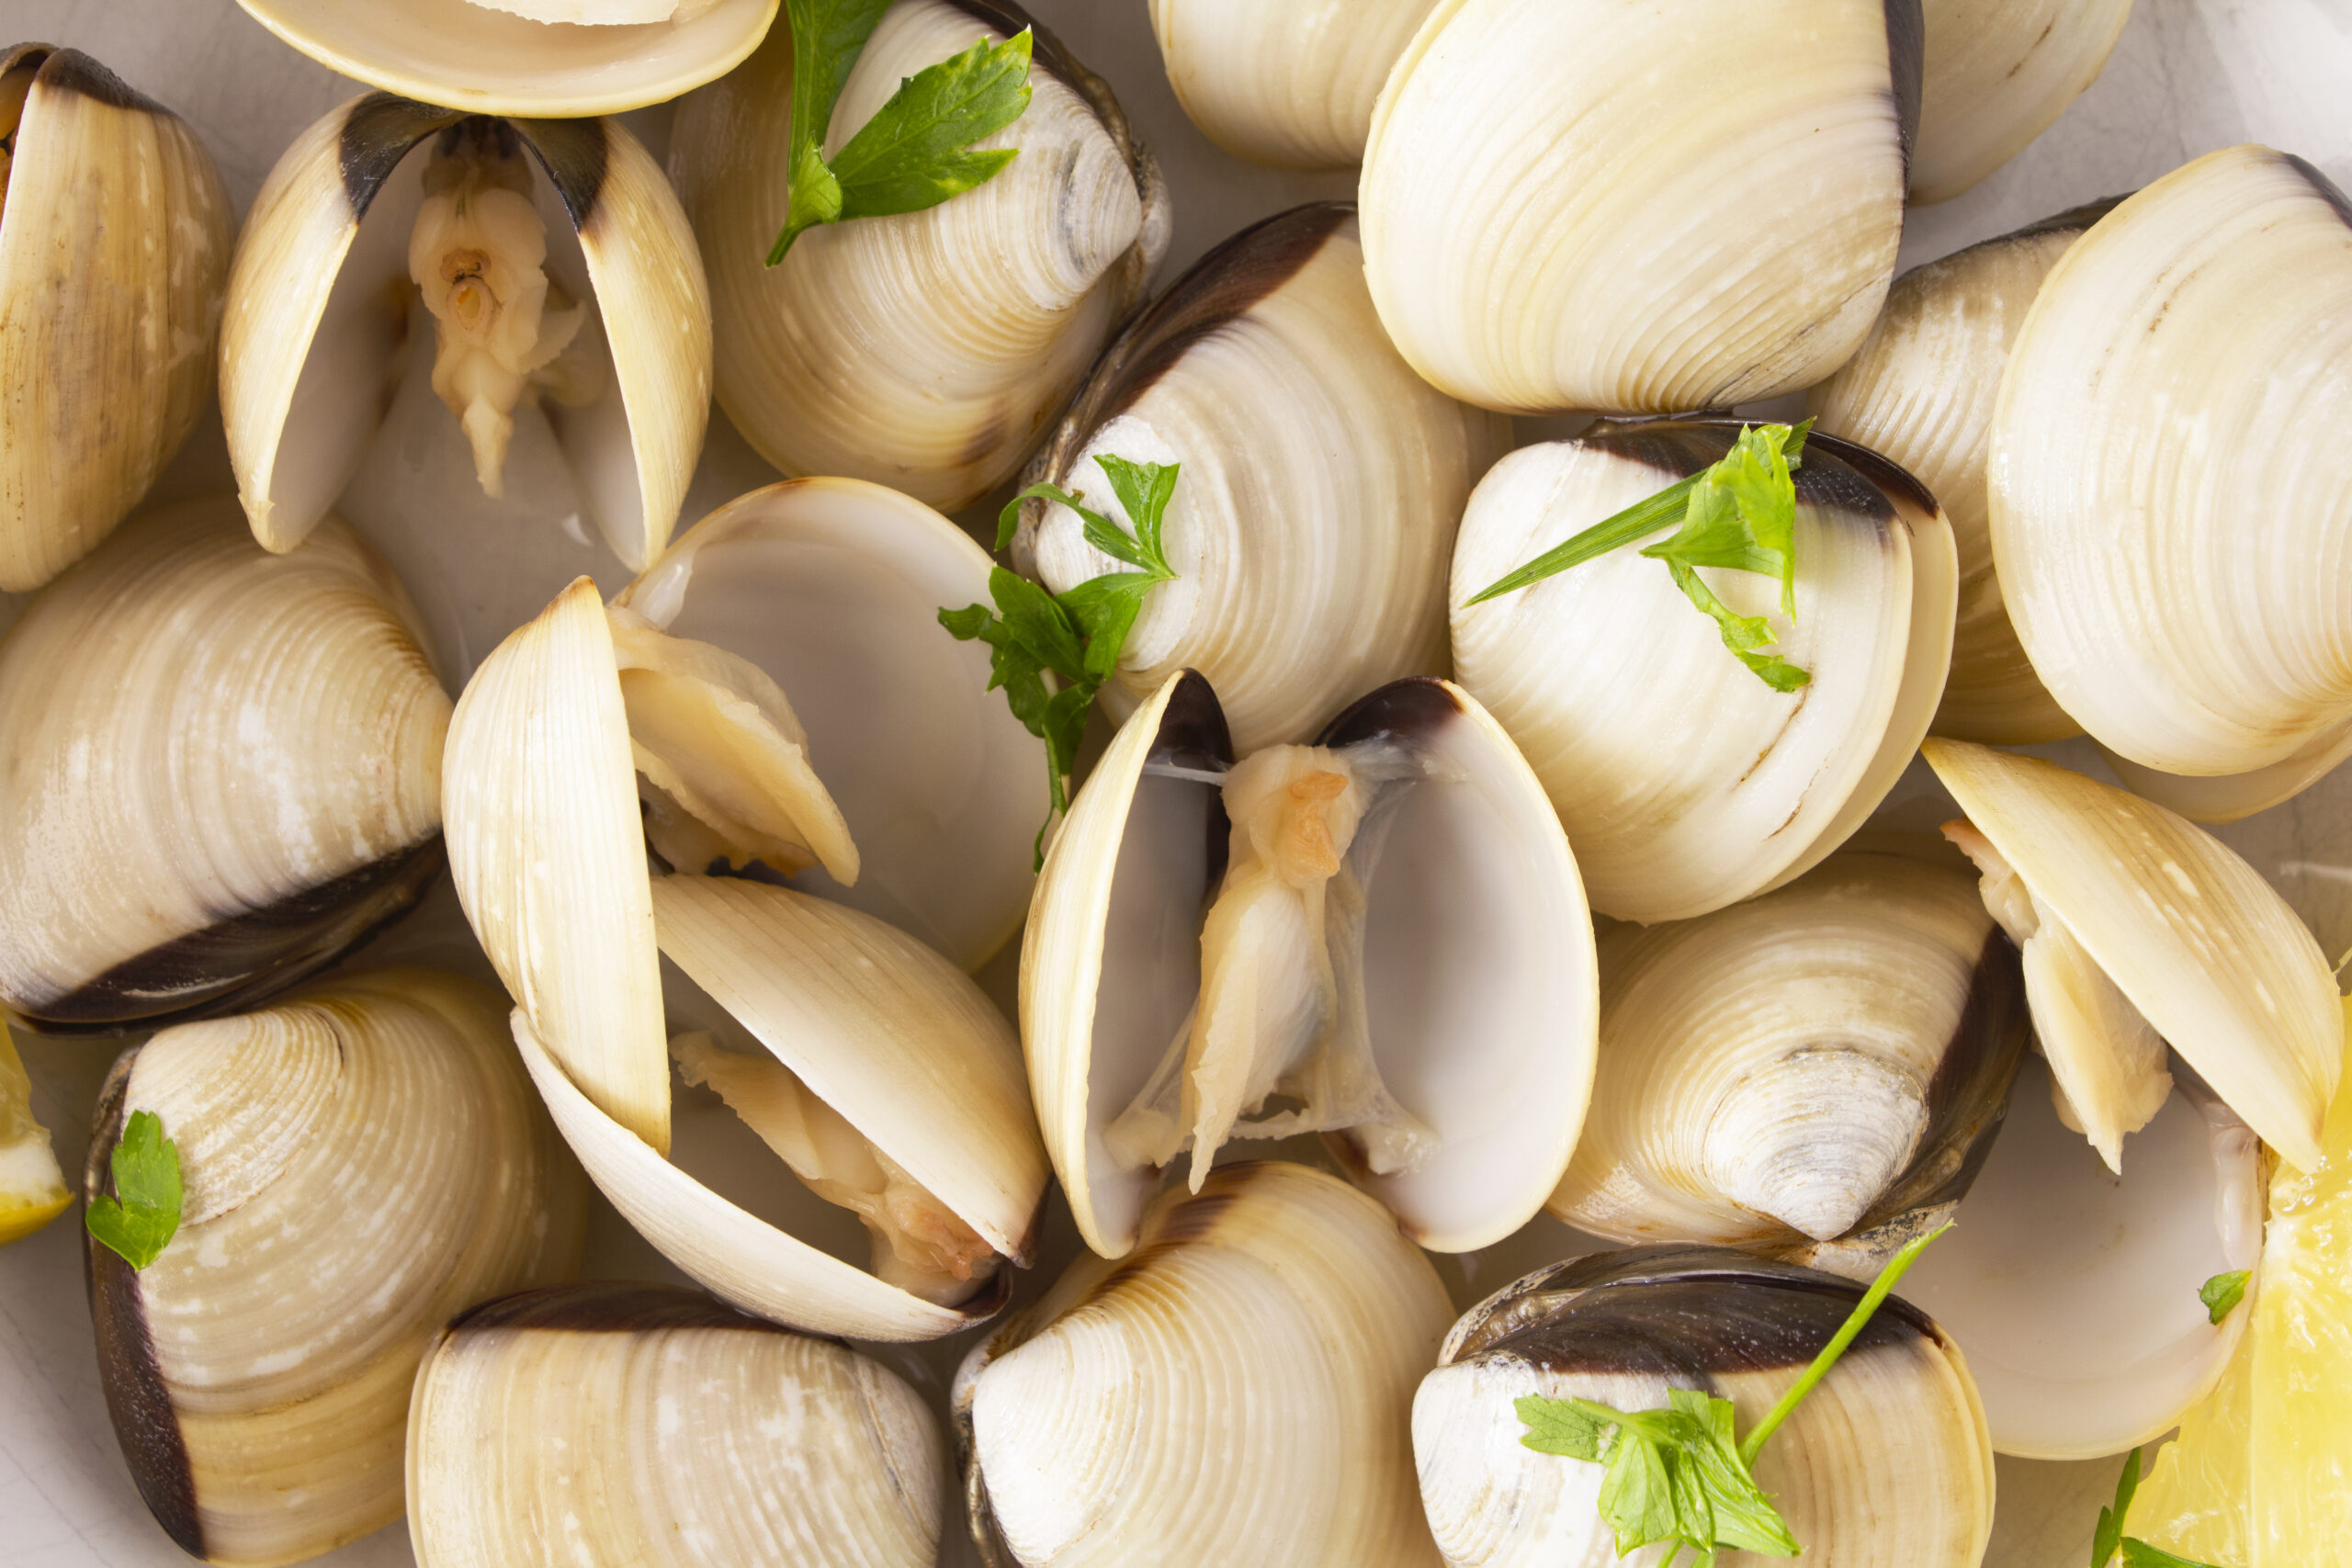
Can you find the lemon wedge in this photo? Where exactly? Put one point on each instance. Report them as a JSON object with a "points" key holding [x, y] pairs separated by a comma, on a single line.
{"points": [[32, 1190]]}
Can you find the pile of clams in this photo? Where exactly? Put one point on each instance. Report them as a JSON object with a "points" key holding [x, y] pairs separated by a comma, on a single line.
{"points": [[1290, 906]]}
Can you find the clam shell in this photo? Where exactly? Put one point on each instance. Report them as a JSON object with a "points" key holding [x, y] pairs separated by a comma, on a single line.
{"points": [[1289, 85], [1998, 73]]}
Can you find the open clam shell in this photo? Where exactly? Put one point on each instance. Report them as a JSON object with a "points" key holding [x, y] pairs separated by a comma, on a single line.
{"points": [[222, 768], [1321, 481], [1292, 86], [1685, 783], [359, 1164], [1886, 1461], [1236, 1392], [1822, 1060], [2163, 460], [547, 260], [554, 58], [929, 351], [645, 1423], [1922, 391], [114, 246], [1998, 73], [1446, 1053], [1508, 124]]}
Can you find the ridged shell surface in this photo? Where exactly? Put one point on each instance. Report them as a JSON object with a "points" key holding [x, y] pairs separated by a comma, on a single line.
{"points": [[1999, 72], [1291, 84]]}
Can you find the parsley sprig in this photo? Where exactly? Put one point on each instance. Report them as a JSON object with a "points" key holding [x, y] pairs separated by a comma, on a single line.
{"points": [[1739, 514], [2109, 1538], [1677, 1475], [1076, 635], [139, 1220], [916, 151], [2222, 1293]]}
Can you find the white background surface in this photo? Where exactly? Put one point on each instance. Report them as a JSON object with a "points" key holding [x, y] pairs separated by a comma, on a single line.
{"points": [[2190, 75]]}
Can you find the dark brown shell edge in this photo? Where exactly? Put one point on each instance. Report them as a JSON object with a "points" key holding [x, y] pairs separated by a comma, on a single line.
{"points": [[378, 132], [146, 1427], [71, 71], [611, 1307], [1906, 61], [2326, 189], [1837, 476], [575, 154]]}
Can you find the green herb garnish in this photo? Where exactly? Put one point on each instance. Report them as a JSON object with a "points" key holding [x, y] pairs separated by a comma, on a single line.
{"points": [[2109, 1538], [1741, 514], [1076, 635], [916, 151], [1675, 1474], [139, 1220], [2222, 1293]]}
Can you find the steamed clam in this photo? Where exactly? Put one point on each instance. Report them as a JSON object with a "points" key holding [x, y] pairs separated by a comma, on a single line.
{"points": [[1997, 72], [1684, 782], [1237, 1392], [1322, 481], [647, 1424], [1886, 1462], [929, 351], [1557, 214], [2164, 480], [359, 1164], [1282, 82], [114, 246], [1395, 947], [535, 270], [223, 768]]}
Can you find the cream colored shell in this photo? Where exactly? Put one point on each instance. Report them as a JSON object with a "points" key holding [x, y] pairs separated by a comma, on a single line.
{"points": [[1998, 73], [1289, 83], [114, 246]]}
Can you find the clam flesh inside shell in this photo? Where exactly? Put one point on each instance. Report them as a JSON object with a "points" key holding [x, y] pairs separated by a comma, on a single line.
{"points": [[223, 769], [1395, 953], [1998, 73], [1685, 783], [1886, 1461], [634, 1423], [1288, 84], [358, 1165], [1236, 1392], [1321, 482]]}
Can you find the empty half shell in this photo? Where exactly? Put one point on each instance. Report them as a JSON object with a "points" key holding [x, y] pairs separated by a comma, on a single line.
{"points": [[2165, 472], [1886, 1461], [929, 351], [358, 1165], [1821, 1060], [544, 263], [1922, 391], [222, 768], [628, 1423], [1555, 219], [114, 247], [1395, 943], [1320, 483], [1284, 84], [555, 58], [1684, 782], [1236, 1392], [1998, 73]]}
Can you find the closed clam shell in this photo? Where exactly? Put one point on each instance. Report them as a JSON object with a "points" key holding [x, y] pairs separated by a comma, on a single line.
{"points": [[1555, 219], [223, 769], [114, 247], [1998, 73], [1236, 1391], [1289, 84], [929, 351], [646, 1422], [359, 1164]]}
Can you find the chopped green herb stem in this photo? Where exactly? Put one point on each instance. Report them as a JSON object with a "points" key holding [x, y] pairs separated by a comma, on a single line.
{"points": [[2109, 1538], [139, 1219], [2222, 1293]]}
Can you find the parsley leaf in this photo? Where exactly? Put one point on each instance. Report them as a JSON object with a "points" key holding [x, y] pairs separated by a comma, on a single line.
{"points": [[1078, 635], [142, 1215], [2108, 1538], [1740, 515], [2222, 1294], [916, 150]]}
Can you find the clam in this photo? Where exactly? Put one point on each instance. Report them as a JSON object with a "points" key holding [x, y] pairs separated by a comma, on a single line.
{"points": [[1395, 946], [359, 1164], [32, 1188], [1321, 482], [1561, 211], [1236, 1392], [1886, 1461], [552, 58], [872, 1066], [1998, 73], [1921, 390], [534, 269], [929, 351], [628, 1423], [2163, 472], [1285, 84], [222, 768], [114, 245], [1685, 783], [1824, 1060]]}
